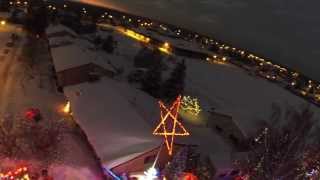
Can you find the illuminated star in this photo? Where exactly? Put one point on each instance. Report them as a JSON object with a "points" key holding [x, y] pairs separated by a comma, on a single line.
{"points": [[169, 127]]}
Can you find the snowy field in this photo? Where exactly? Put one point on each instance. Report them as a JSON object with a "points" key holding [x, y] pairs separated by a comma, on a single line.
{"points": [[285, 31]]}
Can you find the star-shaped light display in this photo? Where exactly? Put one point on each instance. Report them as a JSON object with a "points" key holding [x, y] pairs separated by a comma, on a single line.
{"points": [[169, 127]]}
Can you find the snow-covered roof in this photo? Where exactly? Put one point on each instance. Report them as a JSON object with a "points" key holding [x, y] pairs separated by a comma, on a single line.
{"points": [[113, 126], [66, 57], [56, 28], [68, 52], [120, 129]]}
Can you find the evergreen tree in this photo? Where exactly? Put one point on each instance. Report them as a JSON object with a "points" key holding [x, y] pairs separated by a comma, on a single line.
{"points": [[174, 86], [152, 81], [4, 5], [109, 44], [37, 19], [281, 150], [177, 165], [97, 40], [147, 58]]}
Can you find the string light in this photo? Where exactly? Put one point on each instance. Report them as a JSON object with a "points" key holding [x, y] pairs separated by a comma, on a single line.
{"points": [[190, 105], [162, 128], [20, 173], [136, 36]]}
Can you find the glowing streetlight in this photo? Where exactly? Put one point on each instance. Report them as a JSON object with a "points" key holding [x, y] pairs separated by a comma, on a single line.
{"points": [[166, 45], [3, 22], [165, 48], [224, 59]]}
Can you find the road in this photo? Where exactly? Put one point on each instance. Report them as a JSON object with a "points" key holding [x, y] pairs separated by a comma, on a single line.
{"points": [[9, 69], [23, 87]]}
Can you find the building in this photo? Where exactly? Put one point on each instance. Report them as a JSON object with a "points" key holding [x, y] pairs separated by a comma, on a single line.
{"points": [[75, 60], [117, 119]]}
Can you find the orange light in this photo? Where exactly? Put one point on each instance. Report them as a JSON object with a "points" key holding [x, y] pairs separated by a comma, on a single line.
{"points": [[3, 22], [165, 48], [163, 128], [17, 174], [136, 36], [67, 109]]}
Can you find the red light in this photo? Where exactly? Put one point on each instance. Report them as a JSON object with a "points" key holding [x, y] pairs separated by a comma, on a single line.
{"points": [[32, 113]]}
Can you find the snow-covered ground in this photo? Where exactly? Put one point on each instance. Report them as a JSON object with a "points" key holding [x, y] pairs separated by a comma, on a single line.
{"points": [[23, 88], [285, 31], [231, 90], [118, 118]]}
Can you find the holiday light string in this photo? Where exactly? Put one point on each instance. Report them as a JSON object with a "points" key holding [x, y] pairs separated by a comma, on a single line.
{"points": [[191, 105], [20, 173], [172, 112]]}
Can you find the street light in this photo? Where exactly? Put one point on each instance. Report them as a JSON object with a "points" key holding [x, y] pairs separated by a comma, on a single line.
{"points": [[3, 22]]}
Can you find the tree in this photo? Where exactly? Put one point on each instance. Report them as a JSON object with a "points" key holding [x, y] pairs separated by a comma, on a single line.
{"points": [[177, 165], [30, 51], [151, 83], [21, 139], [44, 140], [37, 19], [278, 151], [109, 44], [147, 58], [174, 86], [4, 5], [97, 40]]}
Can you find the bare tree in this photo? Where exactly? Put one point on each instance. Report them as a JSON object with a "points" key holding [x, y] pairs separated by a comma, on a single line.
{"points": [[22, 139], [44, 139], [9, 135], [278, 150]]}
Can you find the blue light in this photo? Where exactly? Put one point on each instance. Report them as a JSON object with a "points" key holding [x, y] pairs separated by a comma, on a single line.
{"points": [[111, 173]]}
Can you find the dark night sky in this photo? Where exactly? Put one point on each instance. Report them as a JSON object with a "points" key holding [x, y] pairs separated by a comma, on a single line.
{"points": [[286, 31]]}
